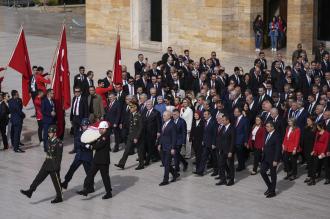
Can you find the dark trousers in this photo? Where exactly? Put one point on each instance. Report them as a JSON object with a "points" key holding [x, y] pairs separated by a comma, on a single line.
{"points": [[204, 157], [317, 166], [150, 147], [257, 153], [327, 167], [40, 128], [3, 126], [178, 158], [116, 132], [41, 176], [215, 160], [241, 156], [126, 153], [309, 161], [197, 147], [15, 133], [74, 166], [226, 166], [76, 125], [270, 182], [89, 180], [166, 160], [290, 163]]}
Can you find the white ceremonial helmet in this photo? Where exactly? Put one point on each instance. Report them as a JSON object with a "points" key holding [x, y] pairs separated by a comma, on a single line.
{"points": [[103, 125]]}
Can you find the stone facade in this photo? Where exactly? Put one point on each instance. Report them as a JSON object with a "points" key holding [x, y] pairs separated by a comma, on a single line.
{"points": [[199, 25]]}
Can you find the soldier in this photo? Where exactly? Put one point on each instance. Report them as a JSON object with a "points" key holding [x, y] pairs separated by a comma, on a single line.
{"points": [[83, 156], [134, 132], [100, 162], [51, 166]]}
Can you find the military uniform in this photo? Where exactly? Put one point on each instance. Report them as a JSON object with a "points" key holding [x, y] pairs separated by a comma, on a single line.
{"points": [[51, 166], [83, 156], [100, 163], [134, 132]]}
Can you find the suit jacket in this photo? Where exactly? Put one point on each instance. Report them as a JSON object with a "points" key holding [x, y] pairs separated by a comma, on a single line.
{"points": [[242, 130], [16, 113], [181, 131], [114, 113], [102, 150], [233, 78], [279, 125], [272, 149], [225, 139], [141, 83], [259, 140], [152, 123], [197, 132], [301, 119], [167, 138], [98, 108], [135, 126], [4, 113], [83, 108], [138, 67], [82, 83], [209, 133], [46, 108]]}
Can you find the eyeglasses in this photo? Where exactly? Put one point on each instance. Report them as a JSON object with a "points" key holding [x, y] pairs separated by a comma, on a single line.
{"points": [[77, 91]]}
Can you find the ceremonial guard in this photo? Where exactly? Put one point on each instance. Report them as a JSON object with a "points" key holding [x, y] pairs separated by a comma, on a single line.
{"points": [[51, 166], [101, 162], [83, 156]]}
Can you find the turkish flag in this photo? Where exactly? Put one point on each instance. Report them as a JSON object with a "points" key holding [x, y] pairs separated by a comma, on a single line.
{"points": [[117, 73], [61, 83], [20, 62]]}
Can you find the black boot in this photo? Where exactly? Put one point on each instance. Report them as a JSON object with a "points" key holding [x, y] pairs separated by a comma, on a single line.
{"points": [[57, 200], [28, 193]]}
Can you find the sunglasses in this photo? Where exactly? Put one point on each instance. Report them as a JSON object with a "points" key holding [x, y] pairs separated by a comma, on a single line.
{"points": [[77, 91]]}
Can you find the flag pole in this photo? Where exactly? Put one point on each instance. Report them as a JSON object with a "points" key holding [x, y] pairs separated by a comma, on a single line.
{"points": [[51, 71]]}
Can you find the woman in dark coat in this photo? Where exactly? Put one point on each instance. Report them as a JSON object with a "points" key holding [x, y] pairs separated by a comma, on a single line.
{"points": [[307, 143], [4, 118], [196, 136]]}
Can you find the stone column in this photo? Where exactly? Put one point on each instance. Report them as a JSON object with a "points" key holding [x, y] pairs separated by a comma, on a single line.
{"points": [[300, 26]]}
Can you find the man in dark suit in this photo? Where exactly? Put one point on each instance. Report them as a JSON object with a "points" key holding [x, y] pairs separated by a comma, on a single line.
{"points": [[270, 159], [33, 84], [312, 103], [167, 148], [236, 76], [208, 141], [241, 126], [48, 115], [133, 138], [181, 136], [301, 116], [139, 64], [16, 118], [325, 64], [108, 79], [263, 96], [256, 79], [143, 82], [225, 142], [278, 122], [80, 80], [130, 88], [101, 162], [79, 110], [168, 54], [154, 84], [214, 59], [113, 117], [151, 131], [261, 61]]}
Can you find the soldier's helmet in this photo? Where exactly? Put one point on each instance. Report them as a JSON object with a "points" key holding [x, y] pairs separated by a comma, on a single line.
{"points": [[85, 122], [52, 129]]}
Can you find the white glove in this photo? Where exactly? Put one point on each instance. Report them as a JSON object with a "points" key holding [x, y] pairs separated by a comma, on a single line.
{"points": [[88, 146]]}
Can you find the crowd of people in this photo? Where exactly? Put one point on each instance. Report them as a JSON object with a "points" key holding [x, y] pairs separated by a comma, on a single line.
{"points": [[177, 109]]}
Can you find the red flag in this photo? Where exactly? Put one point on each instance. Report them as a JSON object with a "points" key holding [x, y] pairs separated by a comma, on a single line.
{"points": [[20, 62], [117, 73], [61, 83]]}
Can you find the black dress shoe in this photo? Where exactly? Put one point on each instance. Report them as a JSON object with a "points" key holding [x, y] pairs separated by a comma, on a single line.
{"points": [[327, 181], [57, 200], [175, 177], [140, 167], [293, 177], [311, 182], [164, 183], [307, 180], [267, 192], [116, 149], [287, 177], [20, 150], [147, 163], [21, 144], [222, 182], [119, 166], [82, 192], [28, 193], [107, 196], [253, 173], [214, 174], [218, 177], [72, 152], [271, 195], [64, 185], [230, 183]]}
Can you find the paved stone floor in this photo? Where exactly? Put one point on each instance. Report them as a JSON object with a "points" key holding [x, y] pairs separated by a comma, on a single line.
{"points": [[136, 193]]}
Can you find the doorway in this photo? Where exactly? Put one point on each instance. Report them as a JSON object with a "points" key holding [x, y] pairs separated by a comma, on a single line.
{"points": [[323, 27], [275, 8], [156, 20]]}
